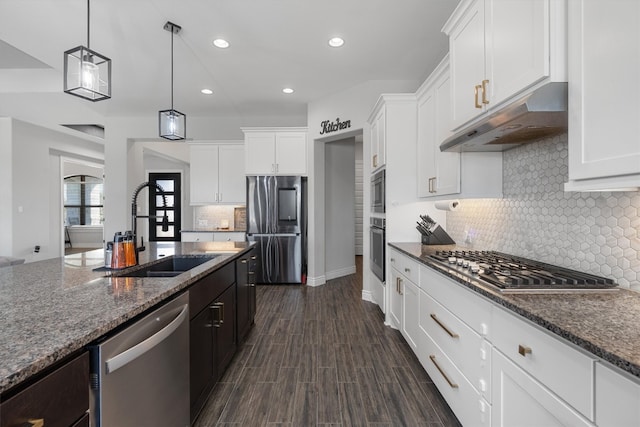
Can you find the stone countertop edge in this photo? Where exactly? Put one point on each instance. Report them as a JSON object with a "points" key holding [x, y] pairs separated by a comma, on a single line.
{"points": [[602, 323], [52, 309]]}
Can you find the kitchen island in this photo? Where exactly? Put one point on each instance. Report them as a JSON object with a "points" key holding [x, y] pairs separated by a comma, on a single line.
{"points": [[52, 309]]}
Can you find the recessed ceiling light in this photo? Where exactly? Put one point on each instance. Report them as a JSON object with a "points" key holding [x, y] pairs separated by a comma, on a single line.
{"points": [[336, 42], [207, 91], [221, 43], [287, 90]]}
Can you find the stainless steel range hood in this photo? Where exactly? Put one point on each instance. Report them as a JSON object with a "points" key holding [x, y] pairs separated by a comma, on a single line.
{"points": [[540, 114]]}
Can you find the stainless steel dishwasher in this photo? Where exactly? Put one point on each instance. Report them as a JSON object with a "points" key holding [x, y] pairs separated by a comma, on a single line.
{"points": [[140, 375]]}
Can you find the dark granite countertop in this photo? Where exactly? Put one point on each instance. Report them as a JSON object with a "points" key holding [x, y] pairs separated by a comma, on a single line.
{"points": [[53, 308], [602, 323]]}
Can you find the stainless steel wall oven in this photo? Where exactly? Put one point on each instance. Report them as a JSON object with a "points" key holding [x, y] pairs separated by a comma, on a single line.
{"points": [[378, 192], [377, 242]]}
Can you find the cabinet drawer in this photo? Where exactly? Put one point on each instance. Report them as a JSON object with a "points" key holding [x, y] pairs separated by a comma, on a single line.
{"points": [[617, 398], [200, 236], [470, 353], [59, 399], [405, 265], [564, 370], [470, 408], [470, 308], [209, 287], [229, 236]]}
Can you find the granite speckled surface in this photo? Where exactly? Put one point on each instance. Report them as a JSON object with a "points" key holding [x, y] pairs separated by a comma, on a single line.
{"points": [[53, 308], [602, 323]]}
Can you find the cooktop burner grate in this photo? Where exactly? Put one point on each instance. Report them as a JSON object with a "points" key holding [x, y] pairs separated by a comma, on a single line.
{"points": [[509, 272]]}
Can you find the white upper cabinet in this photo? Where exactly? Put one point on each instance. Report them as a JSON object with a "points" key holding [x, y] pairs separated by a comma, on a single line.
{"points": [[604, 89], [501, 48], [217, 174], [445, 173], [378, 140], [275, 151]]}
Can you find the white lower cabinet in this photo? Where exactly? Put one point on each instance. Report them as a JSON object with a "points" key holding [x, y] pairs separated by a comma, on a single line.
{"points": [[496, 368], [520, 400], [198, 236], [465, 401], [212, 236], [229, 236], [565, 371], [617, 398]]}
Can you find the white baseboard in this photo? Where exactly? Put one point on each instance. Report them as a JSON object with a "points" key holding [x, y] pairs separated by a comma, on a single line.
{"points": [[316, 281], [367, 296], [330, 275]]}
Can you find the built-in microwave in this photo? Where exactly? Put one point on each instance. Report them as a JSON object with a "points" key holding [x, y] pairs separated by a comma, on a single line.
{"points": [[377, 192]]}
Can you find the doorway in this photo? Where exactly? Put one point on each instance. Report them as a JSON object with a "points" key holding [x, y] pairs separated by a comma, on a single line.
{"points": [[171, 183]]}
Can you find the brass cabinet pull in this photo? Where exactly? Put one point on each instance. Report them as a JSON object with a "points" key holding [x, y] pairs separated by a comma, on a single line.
{"points": [[407, 270], [244, 261], [253, 257], [375, 160], [392, 259], [442, 325], [524, 350], [476, 89], [400, 286], [451, 383], [484, 91], [33, 422]]}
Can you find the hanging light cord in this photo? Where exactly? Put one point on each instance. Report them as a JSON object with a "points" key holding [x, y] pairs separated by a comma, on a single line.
{"points": [[172, 27], [88, 24]]}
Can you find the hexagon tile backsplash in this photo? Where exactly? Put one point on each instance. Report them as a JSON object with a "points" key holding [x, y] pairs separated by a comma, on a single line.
{"points": [[593, 232]]}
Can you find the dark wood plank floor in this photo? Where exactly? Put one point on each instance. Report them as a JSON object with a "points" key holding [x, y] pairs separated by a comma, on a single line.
{"points": [[320, 356]]}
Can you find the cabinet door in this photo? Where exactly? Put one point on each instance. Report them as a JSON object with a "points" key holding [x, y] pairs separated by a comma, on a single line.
{"points": [[517, 46], [520, 400], [224, 323], [260, 149], [232, 181], [411, 313], [617, 398], [395, 307], [291, 153], [466, 45], [604, 120], [426, 170], [375, 134], [229, 236], [243, 316], [203, 174], [61, 398], [200, 360], [382, 138], [447, 165]]}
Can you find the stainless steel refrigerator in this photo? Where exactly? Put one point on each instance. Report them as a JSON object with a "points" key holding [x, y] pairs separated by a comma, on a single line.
{"points": [[277, 222]]}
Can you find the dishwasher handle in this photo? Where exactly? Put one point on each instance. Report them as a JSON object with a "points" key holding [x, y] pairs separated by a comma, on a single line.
{"points": [[129, 355]]}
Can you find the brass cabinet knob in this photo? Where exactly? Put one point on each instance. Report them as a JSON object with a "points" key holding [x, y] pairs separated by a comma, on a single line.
{"points": [[524, 350]]}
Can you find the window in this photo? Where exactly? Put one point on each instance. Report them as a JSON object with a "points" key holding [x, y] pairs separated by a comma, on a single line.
{"points": [[83, 196]]}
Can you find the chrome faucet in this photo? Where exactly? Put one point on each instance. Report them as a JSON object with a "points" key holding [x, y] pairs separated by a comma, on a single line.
{"points": [[135, 216]]}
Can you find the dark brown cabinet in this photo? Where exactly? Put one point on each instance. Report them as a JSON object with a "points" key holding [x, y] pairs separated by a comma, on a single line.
{"points": [[212, 332], [246, 283], [59, 399]]}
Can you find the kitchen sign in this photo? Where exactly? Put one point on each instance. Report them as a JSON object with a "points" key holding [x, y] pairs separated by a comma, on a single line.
{"points": [[328, 127]]}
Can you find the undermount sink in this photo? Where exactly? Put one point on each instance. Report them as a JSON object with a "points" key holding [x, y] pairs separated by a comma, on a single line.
{"points": [[169, 267]]}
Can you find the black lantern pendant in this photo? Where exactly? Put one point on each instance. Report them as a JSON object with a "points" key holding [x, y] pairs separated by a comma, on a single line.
{"points": [[173, 123], [87, 74]]}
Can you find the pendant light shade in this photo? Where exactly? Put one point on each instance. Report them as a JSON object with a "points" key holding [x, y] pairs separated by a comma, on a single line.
{"points": [[87, 74], [173, 124]]}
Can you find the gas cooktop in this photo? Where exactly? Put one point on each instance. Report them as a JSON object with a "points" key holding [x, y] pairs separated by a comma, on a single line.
{"points": [[509, 273]]}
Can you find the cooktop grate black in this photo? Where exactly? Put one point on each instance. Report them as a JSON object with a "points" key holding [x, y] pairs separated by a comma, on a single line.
{"points": [[507, 272]]}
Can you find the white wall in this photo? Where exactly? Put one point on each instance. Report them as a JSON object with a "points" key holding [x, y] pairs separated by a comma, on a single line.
{"points": [[36, 200], [355, 105], [359, 196], [6, 187], [339, 206]]}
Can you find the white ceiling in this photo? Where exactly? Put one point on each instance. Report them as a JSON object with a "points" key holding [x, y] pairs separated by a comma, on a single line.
{"points": [[274, 44]]}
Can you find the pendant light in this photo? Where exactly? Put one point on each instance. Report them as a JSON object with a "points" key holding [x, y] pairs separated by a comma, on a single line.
{"points": [[173, 123], [87, 73]]}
